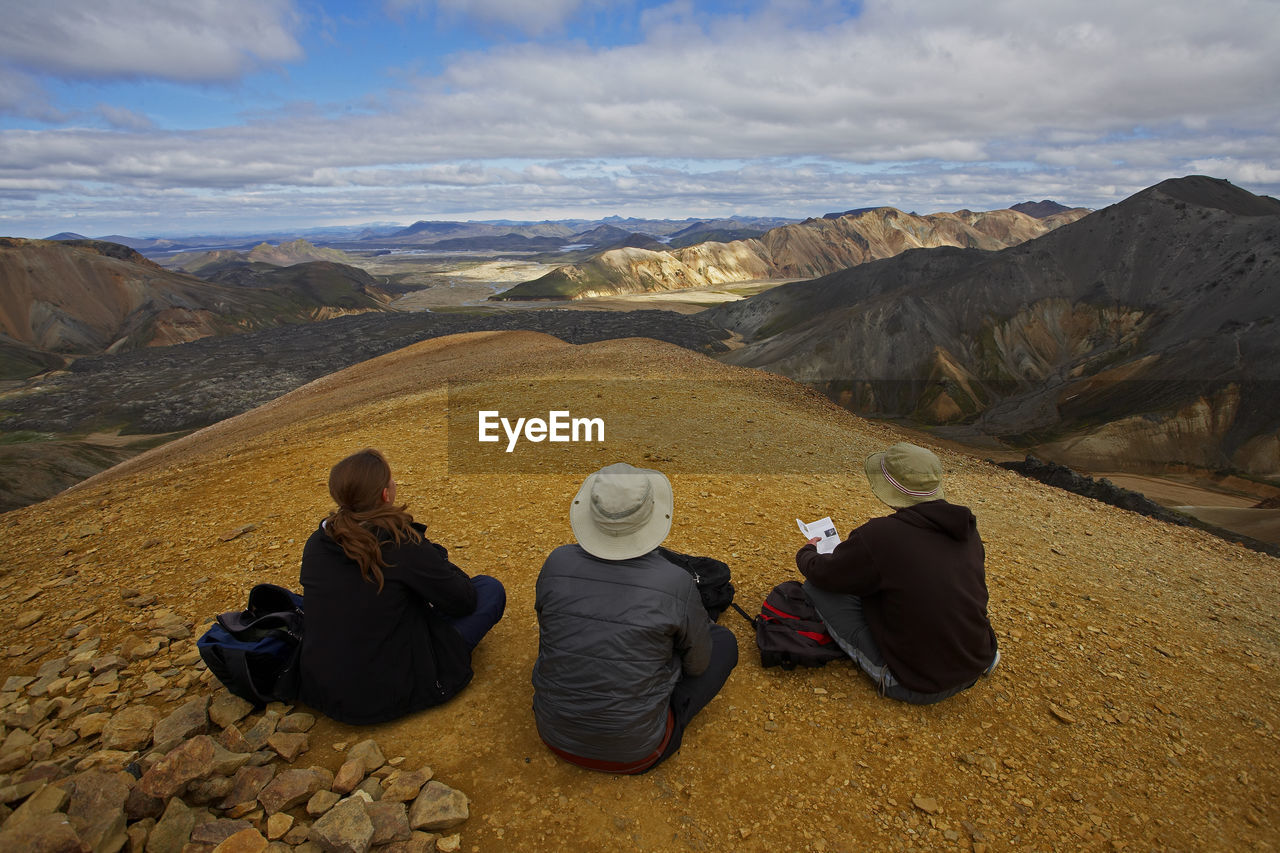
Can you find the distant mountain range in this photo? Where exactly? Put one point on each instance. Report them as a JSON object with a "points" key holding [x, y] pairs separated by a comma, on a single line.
{"points": [[282, 255], [1142, 335], [69, 298], [810, 248], [438, 235]]}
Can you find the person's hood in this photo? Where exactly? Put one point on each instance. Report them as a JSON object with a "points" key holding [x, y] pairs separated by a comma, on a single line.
{"points": [[954, 520]]}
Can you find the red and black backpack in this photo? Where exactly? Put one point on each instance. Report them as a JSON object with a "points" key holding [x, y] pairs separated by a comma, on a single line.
{"points": [[789, 631]]}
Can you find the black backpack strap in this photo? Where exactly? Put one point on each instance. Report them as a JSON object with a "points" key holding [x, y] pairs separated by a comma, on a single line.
{"points": [[735, 606]]}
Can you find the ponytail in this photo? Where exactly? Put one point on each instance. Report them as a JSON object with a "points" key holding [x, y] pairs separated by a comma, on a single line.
{"points": [[356, 485]]}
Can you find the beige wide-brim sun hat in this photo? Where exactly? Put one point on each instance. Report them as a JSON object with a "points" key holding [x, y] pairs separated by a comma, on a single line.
{"points": [[905, 475], [622, 511]]}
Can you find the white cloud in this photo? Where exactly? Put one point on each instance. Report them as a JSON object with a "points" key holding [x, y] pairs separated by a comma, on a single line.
{"points": [[928, 105], [123, 118], [196, 40], [534, 17]]}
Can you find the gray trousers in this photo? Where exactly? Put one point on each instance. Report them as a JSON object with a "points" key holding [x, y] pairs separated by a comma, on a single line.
{"points": [[842, 614]]}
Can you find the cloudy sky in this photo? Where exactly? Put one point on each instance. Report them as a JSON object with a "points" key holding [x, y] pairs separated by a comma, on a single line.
{"points": [[151, 117]]}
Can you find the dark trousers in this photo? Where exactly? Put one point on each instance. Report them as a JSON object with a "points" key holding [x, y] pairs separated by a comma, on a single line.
{"points": [[693, 693], [491, 602], [842, 614]]}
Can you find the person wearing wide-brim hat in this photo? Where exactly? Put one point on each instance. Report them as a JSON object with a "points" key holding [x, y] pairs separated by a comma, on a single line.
{"points": [[905, 595], [626, 653]]}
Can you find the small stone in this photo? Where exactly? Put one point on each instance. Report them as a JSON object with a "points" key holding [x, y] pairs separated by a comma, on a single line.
{"points": [[419, 842], [106, 759], [15, 758], [406, 786], [231, 738], [208, 790], [247, 784], [367, 752], [449, 844], [289, 745], [278, 825], [390, 822], [96, 807], [53, 667], [372, 787], [928, 805], [1062, 715], [14, 683], [297, 835], [139, 648], [151, 684], [289, 788], [321, 802], [47, 800], [345, 827], [138, 832], [27, 619], [192, 760], [256, 736], [214, 832], [244, 810], [299, 722], [228, 709], [50, 833], [439, 807], [349, 776], [173, 830], [130, 728], [228, 535], [17, 739], [226, 762], [142, 600], [188, 720], [245, 841], [140, 805]]}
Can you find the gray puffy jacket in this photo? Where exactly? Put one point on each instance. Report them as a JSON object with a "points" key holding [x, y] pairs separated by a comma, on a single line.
{"points": [[614, 638]]}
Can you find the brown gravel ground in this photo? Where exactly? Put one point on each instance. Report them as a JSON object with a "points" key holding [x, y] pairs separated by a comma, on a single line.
{"points": [[1135, 707]]}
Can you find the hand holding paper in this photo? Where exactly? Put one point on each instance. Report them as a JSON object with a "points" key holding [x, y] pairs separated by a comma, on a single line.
{"points": [[824, 529]]}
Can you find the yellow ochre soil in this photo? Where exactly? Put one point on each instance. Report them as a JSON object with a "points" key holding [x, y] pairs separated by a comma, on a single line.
{"points": [[1135, 707]]}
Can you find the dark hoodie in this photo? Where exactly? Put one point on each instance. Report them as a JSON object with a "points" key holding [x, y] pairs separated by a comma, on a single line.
{"points": [[919, 573]]}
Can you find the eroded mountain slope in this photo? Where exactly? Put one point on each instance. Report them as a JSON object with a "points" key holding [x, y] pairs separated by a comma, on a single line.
{"points": [[1143, 334], [88, 297]]}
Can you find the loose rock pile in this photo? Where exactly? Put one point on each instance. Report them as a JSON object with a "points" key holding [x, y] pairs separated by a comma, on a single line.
{"points": [[138, 748]]}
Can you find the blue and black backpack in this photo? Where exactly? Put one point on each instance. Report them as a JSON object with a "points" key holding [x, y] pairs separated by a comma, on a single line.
{"points": [[256, 652]]}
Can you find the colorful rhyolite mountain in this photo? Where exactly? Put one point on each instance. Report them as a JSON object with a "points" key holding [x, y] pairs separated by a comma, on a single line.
{"points": [[803, 250]]}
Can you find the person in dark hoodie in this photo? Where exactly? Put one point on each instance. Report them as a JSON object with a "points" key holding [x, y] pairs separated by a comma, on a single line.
{"points": [[390, 621], [905, 595]]}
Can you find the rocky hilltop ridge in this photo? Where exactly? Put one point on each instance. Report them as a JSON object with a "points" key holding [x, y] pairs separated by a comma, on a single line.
{"points": [[1134, 708], [803, 250], [1141, 335]]}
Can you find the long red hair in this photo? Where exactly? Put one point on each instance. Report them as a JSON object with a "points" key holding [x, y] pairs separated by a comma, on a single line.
{"points": [[356, 485]]}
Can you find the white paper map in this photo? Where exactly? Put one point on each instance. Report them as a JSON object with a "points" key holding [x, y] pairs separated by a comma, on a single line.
{"points": [[825, 529]]}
